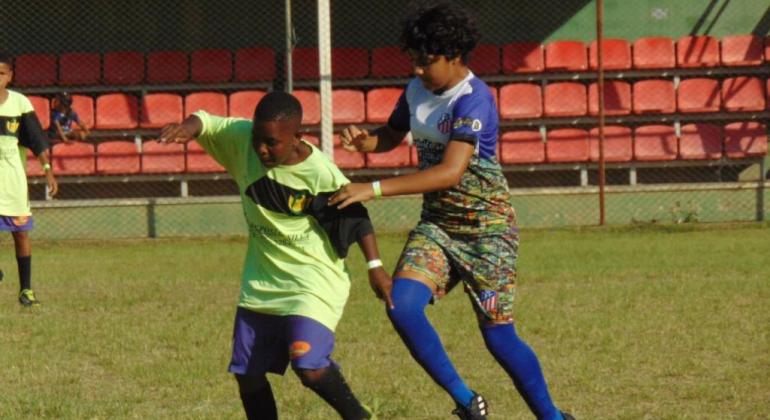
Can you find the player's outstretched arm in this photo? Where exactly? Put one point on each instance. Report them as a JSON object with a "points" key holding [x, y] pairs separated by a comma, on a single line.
{"points": [[189, 129], [382, 139], [45, 163], [379, 280]]}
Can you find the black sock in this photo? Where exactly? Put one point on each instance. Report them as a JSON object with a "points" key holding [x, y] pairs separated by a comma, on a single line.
{"points": [[25, 272], [260, 405], [331, 386]]}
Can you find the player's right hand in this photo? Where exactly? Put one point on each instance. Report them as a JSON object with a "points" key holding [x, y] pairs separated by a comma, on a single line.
{"points": [[353, 139]]}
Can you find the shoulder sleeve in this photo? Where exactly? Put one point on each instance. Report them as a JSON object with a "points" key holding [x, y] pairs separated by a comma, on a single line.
{"points": [[474, 119], [399, 118], [224, 139], [31, 133]]}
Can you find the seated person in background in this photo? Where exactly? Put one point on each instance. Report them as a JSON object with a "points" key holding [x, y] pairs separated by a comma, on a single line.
{"points": [[62, 118]]}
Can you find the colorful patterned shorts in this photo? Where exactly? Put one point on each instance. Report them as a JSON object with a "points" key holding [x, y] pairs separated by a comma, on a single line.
{"points": [[16, 223], [485, 264]]}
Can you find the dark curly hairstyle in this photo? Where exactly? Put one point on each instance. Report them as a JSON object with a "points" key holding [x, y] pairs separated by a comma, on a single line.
{"points": [[439, 28], [6, 58], [277, 106]]}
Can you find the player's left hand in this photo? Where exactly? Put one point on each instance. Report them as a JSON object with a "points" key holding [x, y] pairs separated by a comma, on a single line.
{"points": [[352, 193], [381, 284]]}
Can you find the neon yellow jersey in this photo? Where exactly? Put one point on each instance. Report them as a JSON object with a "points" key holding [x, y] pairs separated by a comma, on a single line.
{"points": [[291, 267], [14, 198]]}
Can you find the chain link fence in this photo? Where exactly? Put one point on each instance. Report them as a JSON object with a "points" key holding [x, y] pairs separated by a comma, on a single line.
{"points": [[685, 105]]}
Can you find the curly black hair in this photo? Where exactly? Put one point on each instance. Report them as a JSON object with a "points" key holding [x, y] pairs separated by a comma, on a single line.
{"points": [[6, 58], [439, 28], [277, 106]]}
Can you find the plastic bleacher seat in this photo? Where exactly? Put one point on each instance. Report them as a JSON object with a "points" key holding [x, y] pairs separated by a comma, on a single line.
{"points": [[123, 68], [741, 50], [311, 106], [521, 100], [617, 98], [390, 62], [35, 70], [243, 103], [211, 102], [80, 68], [654, 53], [396, 158], [167, 67], [743, 93], [76, 158], [254, 64], [523, 57], [565, 99], [42, 109], [211, 65], [518, 147], [117, 157], [305, 63], [84, 106], [348, 106], [566, 56], [493, 92], [348, 160], [198, 161], [618, 144], [655, 143], [350, 63], [700, 141], [33, 165], [654, 96], [160, 158], [159, 109], [699, 95], [767, 49], [116, 111], [697, 51], [567, 145], [745, 139], [312, 139], [485, 60], [616, 54], [380, 103]]}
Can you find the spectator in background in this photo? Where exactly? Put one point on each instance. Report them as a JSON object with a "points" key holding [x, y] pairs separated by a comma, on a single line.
{"points": [[62, 119]]}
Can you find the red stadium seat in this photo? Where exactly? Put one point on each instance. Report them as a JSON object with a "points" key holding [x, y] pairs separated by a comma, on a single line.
{"points": [[699, 95], [159, 109], [33, 165], [654, 96], [350, 63], [493, 92], [311, 106], [745, 139], [243, 103], [304, 62], [518, 147], [348, 160], [396, 158], [485, 60], [617, 54], [380, 103], [521, 100], [212, 102], [35, 70], [618, 144], [700, 141], [80, 69], [767, 48], [123, 68], [167, 67], [741, 50], [743, 93], [390, 62], [348, 106], [567, 145], [566, 56], [160, 158], [117, 157], [116, 111], [617, 98], [315, 141], [565, 99], [73, 159], [198, 161], [42, 110], [654, 53], [211, 65], [523, 57], [254, 64], [655, 142], [697, 51], [84, 107]]}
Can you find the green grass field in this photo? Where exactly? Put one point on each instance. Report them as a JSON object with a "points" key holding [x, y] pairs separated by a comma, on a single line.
{"points": [[632, 323]]}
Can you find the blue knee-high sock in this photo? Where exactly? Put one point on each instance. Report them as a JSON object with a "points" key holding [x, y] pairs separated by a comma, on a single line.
{"points": [[408, 317], [518, 359]]}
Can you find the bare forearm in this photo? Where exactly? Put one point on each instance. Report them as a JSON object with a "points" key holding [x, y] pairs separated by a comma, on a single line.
{"points": [[368, 245], [386, 139], [436, 178]]}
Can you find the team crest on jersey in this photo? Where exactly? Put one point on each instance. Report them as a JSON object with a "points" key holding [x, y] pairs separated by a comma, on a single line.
{"points": [[12, 125], [444, 124], [474, 124], [298, 201]]}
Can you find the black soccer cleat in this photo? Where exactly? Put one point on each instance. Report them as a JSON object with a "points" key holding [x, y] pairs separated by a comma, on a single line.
{"points": [[1, 275], [567, 416], [477, 410]]}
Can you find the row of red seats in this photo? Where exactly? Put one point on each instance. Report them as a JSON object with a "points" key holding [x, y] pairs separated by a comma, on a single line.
{"points": [[698, 141], [566, 99], [258, 64]]}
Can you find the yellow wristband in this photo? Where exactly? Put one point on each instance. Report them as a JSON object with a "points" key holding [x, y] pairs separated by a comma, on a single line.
{"points": [[377, 189], [46, 166]]}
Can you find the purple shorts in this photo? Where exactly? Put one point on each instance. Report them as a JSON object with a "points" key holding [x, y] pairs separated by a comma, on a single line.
{"points": [[267, 343], [16, 223]]}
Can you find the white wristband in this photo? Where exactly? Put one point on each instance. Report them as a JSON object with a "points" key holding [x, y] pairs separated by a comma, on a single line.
{"points": [[374, 263]]}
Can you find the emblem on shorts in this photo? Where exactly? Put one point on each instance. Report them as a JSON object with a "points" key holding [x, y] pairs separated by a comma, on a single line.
{"points": [[298, 349], [20, 220], [12, 125], [488, 300]]}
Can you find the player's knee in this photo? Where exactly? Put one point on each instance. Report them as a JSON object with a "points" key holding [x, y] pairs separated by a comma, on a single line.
{"points": [[310, 378], [248, 384]]}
